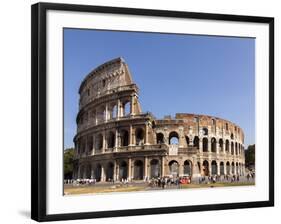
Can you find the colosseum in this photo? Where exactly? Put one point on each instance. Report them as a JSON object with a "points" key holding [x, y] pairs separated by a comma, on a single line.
{"points": [[116, 140]]}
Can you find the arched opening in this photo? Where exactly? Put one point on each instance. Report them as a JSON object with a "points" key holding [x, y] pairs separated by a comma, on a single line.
{"points": [[139, 136], [174, 168], [232, 168], [187, 140], [213, 145], [187, 168], [126, 108], [214, 167], [123, 170], [154, 168], [237, 169], [205, 131], [232, 148], [111, 140], [236, 150], [98, 172], [124, 134], [196, 142], [205, 168], [222, 168], [227, 146], [221, 144], [109, 171], [232, 136], [99, 142], [114, 112], [228, 168], [138, 170], [101, 114], [160, 138], [205, 144], [173, 138]]}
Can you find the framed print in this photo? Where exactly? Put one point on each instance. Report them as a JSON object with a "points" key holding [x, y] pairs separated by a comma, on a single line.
{"points": [[139, 111]]}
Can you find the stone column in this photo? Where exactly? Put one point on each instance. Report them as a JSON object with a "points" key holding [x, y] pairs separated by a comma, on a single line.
{"points": [[223, 146], [94, 145], [210, 167], [132, 108], [217, 146], [96, 117], [162, 166], [218, 168], [118, 108], [106, 112], [224, 167], [146, 134], [103, 142], [234, 167], [129, 169], [117, 171], [102, 173], [145, 167], [200, 145], [209, 144], [116, 140], [131, 136], [92, 172]]}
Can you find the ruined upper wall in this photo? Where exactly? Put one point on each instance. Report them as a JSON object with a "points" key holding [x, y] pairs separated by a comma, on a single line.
{"points": [[108, 76]]}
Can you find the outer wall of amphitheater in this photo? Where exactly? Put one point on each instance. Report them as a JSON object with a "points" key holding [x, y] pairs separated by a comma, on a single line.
{"points": [[115, 140]]}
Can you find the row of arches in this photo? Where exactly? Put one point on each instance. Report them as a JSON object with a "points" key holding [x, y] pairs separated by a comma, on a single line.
{"points": [[106, 112], [119, 171], [111, 139], [109, 171], [234, 148]]}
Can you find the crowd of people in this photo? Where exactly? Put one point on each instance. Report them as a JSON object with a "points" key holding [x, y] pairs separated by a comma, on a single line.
{"points": [[169, 181]]}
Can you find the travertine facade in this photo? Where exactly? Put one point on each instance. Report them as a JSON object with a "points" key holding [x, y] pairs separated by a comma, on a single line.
{"points": [[116, 140]]}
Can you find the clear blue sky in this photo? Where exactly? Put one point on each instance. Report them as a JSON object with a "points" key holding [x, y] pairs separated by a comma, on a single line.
{"points": [[175, 73]]}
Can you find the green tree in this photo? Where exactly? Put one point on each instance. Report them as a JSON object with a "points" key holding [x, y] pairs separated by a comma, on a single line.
{"points": [[250, 155], [68, 158]]}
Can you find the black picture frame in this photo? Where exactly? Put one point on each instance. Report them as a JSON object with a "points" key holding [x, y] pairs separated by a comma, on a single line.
{"points": [[39, 122]]}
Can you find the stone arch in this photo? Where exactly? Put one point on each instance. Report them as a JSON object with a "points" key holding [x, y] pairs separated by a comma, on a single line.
{"points": [[138, 170], [221, 145], [227, 146], [99, 142], [196, 142], [124, 135], [160, 138], [154, 168], [173, 138], [109, 171], [123, 170], [126, 105], [214, 167], [205, 131], [110, 140], [139, 133], [232, 168], [205, 144], [187, 168], [174, 168], [227, 168], [232, 148], [98, 169], [213, 145], [222, 168], [236, 150], [187, 140]]}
